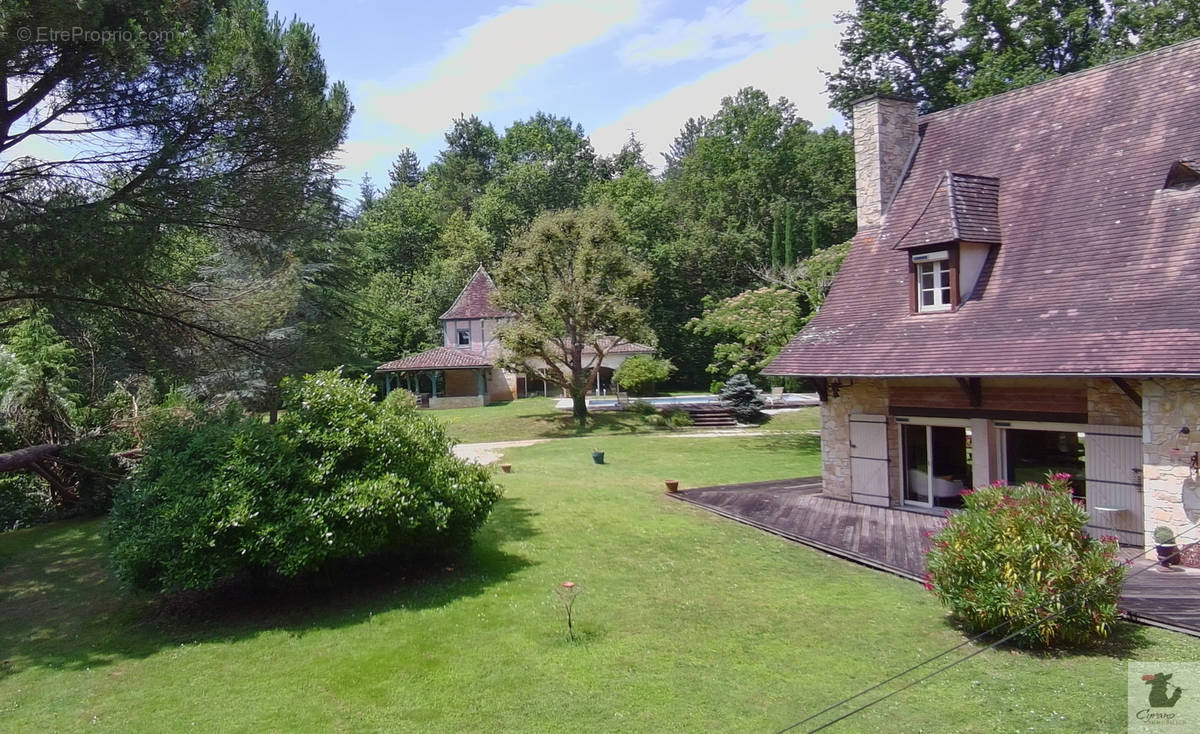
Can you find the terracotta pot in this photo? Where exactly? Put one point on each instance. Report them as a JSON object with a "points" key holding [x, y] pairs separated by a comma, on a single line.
{"points": [[506, 468], [672, 485]]}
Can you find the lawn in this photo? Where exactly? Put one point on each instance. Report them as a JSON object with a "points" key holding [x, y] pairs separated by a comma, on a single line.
{"points": [[687, 622], [538, 418]]}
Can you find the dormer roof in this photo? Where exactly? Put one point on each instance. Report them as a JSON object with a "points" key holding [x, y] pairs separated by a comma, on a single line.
{"points": [[475, 300], [961, 208]]}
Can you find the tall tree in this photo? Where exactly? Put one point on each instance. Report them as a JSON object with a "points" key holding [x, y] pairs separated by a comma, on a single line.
{"points": [[682, 145], [899, 46], [576, 288], [218, 117], [911, 48], [464, 168], [543, 163], [406, 169], [367, 194]]}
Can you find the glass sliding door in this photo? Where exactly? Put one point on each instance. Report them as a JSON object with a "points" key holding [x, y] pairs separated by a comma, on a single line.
{"points": [[937, 464], [1030, 454]]}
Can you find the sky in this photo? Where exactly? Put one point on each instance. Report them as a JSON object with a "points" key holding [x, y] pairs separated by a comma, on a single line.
{"points": [[614, 66]]}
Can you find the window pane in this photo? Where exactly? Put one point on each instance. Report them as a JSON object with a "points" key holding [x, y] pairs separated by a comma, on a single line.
{"points": [[926, 279], [945, 293], [951, 464], [926, 298], [916, 463], [1033, 454], [945, 273]]}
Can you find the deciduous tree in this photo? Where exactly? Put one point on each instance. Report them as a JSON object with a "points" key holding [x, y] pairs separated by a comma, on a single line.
{"points": [[576, 289]]}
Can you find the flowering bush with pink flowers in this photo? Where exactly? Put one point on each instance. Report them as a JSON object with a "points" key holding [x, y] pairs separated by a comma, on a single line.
{"points": [[1020, 555]]}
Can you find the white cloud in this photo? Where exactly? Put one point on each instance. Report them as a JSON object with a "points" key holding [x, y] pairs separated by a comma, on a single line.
{"points": [[723, 32], [791, 67], [356, 156], [789, 63], [485, 60]]}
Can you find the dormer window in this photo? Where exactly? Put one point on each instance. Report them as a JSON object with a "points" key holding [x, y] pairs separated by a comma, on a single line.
{"points": [[1183, 175], [464, 337], [934, 281]]}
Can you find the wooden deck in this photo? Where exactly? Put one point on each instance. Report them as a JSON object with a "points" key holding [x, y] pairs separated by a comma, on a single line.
{"points": [[895, 540], [884, 538]]}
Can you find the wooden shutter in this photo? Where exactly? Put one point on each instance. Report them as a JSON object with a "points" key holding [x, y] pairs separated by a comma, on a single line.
{"points": [[869, 459], [1113, 470]]}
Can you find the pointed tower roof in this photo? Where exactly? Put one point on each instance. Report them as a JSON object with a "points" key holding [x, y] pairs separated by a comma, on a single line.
{"points": [[475, 300]]}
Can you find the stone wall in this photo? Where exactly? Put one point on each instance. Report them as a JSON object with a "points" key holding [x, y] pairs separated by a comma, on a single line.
{"points": [[864, 396], [885, 131], [1172, 489], [472, 401], [1108, 405], [501, 385]]}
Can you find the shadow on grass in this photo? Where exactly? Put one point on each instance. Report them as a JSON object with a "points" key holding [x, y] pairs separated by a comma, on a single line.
{"points": [[1123, 642], [61, 608]]}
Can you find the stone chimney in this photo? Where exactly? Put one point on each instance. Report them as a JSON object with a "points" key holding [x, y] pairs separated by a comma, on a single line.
{"points": [[885, 132]]}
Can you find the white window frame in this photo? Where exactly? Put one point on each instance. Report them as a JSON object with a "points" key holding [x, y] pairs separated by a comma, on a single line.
{"points": [[939, 269], [927, 422]]}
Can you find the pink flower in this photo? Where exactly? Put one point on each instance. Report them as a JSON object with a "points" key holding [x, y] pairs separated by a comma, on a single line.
{"points": [[999, 483], [925, 582], [965, 492], [1060, 477]]}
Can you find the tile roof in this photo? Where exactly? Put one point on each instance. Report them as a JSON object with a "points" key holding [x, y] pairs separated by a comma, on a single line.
{"points": [[961, 208], [438, 358], [622, 348], [1099, 267], [474, 300]]}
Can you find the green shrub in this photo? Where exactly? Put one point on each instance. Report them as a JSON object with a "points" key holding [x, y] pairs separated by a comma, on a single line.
{"points": [[642, 371], [1020, 555], [654, 419], [641, 407], [24, 500], [677, 418], [340, 476], [1163, 535], [742, 398]]}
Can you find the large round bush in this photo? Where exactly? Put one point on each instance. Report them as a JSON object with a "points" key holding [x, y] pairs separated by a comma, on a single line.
{"points": [[1020, 555], [340, 476]]}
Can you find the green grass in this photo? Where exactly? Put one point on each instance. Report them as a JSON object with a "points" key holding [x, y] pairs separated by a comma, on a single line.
{"points": [[537, 418], [687, 622]]}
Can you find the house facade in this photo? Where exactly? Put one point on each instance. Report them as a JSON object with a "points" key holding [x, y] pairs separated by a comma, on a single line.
{"points": [[464, 371], [1022, 297]]}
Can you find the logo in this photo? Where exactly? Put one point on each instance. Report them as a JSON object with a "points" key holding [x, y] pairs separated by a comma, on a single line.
{"points": [[1163, 695]]}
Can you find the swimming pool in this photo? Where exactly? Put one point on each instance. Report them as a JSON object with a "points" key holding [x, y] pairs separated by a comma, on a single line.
{"points": [[791, 400]]}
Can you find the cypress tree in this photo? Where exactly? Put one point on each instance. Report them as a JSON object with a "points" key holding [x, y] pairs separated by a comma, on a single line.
{"points": [[788, 251], [776, 252]]}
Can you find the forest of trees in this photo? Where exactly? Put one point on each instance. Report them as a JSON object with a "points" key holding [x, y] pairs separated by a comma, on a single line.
{"points": [[193, 236]]}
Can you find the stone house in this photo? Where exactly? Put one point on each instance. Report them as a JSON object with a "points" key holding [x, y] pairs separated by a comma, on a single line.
{"points": [[463, 371], [1022, 296]]}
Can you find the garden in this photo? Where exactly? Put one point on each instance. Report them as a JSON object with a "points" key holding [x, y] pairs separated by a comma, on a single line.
{"points": [[682, 621]]}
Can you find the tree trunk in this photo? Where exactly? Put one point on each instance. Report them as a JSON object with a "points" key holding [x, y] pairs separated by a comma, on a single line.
{"points": [[579, 405]]}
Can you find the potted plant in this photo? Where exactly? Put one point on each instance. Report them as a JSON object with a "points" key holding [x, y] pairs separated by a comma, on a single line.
{"points": [[1164, 545], [598, 456]]}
